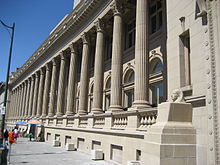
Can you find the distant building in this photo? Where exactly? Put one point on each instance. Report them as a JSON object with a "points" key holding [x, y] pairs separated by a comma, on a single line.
{"points": [[98, 79]]}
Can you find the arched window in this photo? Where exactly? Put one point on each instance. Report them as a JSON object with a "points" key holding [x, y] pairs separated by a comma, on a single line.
{"points": [[129, 88], [158, 67], [108, 83], [90, 103], [107, 94], [156, 92]]}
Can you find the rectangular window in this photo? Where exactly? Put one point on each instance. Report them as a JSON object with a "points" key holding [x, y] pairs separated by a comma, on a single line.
{"points": [[116, 153], [130, 34], [185, 69], [156, 16]]}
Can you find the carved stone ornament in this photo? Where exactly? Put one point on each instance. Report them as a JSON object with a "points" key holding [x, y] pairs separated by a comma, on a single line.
{"points": [[85, 38], [100, 25], [177, 96], [116, 7]]}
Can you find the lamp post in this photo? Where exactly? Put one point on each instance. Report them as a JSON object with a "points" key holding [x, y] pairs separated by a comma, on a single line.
{"points": [[7, 78]]}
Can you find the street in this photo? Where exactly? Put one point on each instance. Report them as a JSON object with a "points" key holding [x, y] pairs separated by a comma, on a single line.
{"points": [[40, 153]]}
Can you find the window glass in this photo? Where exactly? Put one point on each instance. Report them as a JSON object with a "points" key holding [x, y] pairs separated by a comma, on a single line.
{"points": [[157, 93], [108, 84], [156, 16], [158, 67]]}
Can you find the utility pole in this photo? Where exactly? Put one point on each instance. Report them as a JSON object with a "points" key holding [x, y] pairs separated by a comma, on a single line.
{"points": [[7, 79]]}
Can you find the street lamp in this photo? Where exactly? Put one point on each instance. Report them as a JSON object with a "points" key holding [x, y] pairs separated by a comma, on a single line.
{"points": [[7, 78]]}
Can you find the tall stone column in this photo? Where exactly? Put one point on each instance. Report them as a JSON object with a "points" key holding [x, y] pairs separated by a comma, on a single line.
{"points": [[36, 87], [84, 77], [17, 103], [53, 88], [27, 97], [61, 91], [141, 86], [24, 99], [72, 81], [21, 100], [41, 90], [116, 78], [31, 97], [98, 73], [46, 90]]}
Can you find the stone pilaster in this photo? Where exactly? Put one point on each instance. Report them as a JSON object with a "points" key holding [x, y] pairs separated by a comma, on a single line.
{"points": [[141, 86], [98, 73], [20, 100], [72, 81], [53, 88], [36, 87], [61, 91], [41, 91], [30, 104], [46, 90], [84, 78], [27, 97], [116, 78]]}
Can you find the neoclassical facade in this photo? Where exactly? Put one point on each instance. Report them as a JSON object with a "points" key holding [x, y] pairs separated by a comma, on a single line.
{"points": [[99, 79]]}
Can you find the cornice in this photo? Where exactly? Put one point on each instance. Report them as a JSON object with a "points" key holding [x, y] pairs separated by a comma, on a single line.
{"points": [[73, 19]]}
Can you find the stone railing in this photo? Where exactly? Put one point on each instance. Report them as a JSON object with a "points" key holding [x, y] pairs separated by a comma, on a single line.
{"points": [[138, 120], [99, 122]]}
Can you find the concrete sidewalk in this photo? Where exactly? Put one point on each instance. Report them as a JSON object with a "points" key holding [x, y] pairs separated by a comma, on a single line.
{"points": [[40, 153]]}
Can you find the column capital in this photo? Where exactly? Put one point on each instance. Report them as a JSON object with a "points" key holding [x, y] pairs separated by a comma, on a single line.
{"points": [[42, 71], [54, 61], [32, 78], [100, 25], [48, 67], [37, 74], [116, 7], [85, 38], [73, 47], [62, 55]]}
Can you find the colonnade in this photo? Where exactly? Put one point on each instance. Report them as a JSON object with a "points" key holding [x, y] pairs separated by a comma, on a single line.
{"points": [[44, 92]]}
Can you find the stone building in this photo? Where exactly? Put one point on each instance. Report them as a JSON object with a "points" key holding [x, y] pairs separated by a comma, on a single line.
{"points": [[99, 77]]}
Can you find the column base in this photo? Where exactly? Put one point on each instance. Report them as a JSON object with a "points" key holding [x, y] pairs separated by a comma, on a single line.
{"points": [[51, 115], [140, 104], [96, 111], [69, 114], [115, 108], [59, 114], [81, 112]]}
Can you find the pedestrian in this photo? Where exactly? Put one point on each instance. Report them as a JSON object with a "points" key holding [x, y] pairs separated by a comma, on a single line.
{"points": [[16, 132], [6, 137], [11, 138], [30, 136]]}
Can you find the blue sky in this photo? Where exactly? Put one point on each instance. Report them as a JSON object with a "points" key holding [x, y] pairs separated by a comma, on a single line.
{"points": [[34, 20]]}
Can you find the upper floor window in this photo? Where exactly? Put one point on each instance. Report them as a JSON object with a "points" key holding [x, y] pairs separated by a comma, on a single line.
{"points": [[130, 34], [109, 48], [156, 16]]}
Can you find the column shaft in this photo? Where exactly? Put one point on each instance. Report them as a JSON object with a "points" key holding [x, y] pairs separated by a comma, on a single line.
{"points": [[31, 97], [84, 78], [141, 88], [21, 101], [40, 95], [53, 89], [98, 73], [116, 79], [36, 86], [61, 91], [46, 90], [72, 81], [27, 97]]}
